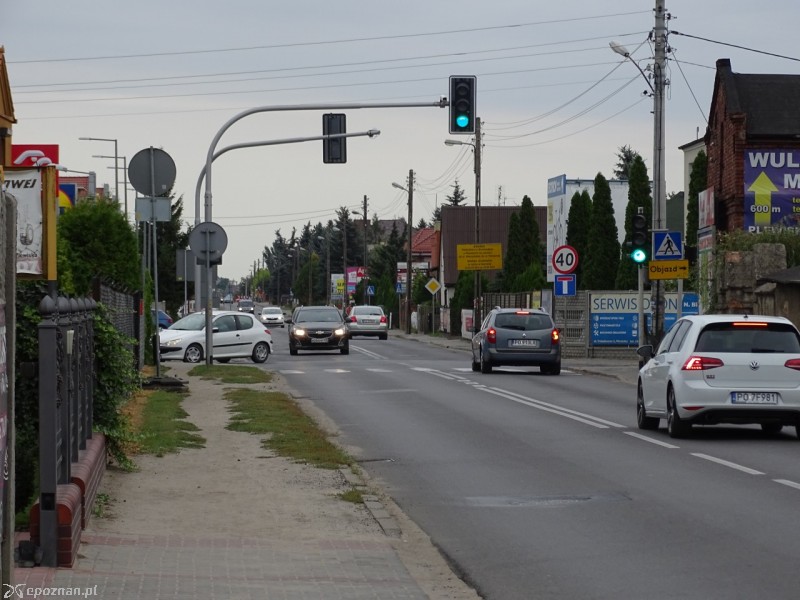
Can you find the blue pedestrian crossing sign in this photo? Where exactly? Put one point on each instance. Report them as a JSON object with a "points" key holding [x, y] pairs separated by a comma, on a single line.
{"points": [[370, 290], [668, 245], [400, 288]]}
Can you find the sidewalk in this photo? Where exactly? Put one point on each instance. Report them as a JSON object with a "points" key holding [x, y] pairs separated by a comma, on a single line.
{"points": [[232, 521]]}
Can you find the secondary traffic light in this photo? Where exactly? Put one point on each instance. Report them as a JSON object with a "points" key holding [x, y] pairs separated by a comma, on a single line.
{"points": [[334, 150], [462, 103], [640, 238]]}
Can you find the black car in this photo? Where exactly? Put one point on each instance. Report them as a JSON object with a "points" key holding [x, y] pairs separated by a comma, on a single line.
{"points": [[318, 328], [514, 336]]}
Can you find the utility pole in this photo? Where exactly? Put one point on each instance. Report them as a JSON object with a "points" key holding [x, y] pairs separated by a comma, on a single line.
{"points": [[344, 261], [659, 183], [476, 320], [366, 270], [408, 256]]}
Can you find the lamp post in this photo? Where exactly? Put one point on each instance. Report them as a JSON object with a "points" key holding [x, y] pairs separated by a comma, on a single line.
{"points": [[116, 158], [410, 191], [657, 87], [91, 184], [476, 318], [124, 176], [327, 239]]}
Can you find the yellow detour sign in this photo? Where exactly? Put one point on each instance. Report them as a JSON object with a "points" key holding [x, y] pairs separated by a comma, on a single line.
{"points": [[479, 257], [668, 269]]}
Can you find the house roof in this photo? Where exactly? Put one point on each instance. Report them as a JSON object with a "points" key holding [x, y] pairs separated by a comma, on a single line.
{"points": [[769, 101], [422, 241]]}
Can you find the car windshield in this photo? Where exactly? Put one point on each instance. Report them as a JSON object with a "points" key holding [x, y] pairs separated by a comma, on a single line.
{"points": [[522, 321], [749, 337], [319, 316], [271, 311], [192, 322], [245, 303]]}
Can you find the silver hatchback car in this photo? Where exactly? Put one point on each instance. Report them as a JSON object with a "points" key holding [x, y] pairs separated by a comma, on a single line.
{"points": [[712, 369], [521, 337], [368, 320]]}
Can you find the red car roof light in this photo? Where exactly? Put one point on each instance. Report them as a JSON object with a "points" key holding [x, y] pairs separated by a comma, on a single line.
{"points": [[793, 363], [701, 363]]}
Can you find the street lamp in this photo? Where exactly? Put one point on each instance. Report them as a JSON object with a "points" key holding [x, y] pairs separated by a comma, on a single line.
{"points": [[124, 176], [659, 182], [327, 239], [410, 191], [92, 183], [116, 158], [476, 146]]}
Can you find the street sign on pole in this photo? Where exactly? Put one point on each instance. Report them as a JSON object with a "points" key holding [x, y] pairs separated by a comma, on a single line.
{"points": [[564, 285], [565, 259]]}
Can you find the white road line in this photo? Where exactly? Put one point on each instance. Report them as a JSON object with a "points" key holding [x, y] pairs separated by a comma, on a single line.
{"points": [[395, 391], [336, 370], [791, 484], [649, 439], [367, 352], [290, 372], [541, 406], [566, 410], [727, 463], [379, 370]]}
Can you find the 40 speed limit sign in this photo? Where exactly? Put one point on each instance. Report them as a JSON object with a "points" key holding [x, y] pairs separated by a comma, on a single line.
{"points": [[565, 260]]}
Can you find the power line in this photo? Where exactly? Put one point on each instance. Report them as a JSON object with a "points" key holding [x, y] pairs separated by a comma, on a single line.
{"points": [[329, 42], [697, 37]]}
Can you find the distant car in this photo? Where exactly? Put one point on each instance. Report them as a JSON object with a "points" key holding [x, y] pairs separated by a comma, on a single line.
{"points": [[234, 335], [164, 320], [318, 328], [521, 337], [246, 305], [272, 315], [712, 369], [368, 320], [228, 299]]}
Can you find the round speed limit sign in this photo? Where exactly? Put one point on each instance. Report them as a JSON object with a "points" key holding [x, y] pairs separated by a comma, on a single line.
{"points": [[565, 260]]}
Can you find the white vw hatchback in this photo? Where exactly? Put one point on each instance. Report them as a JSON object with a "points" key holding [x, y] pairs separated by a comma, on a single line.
{"points": [[712, 369]]}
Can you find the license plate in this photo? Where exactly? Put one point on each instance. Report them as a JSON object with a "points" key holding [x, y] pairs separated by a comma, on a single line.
{"points": [[754, 397], [369, 321], [319, 340], [524, 343]]}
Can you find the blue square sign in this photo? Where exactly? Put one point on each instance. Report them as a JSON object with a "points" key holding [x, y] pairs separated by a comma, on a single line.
{"points": [[564, 285]]}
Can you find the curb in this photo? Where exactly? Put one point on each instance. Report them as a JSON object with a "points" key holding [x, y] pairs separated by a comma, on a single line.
{"points": [[373, 504]]}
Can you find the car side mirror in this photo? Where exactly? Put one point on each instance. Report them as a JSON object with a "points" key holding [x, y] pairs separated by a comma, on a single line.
{"points": [[645, 352], [215, 330]]}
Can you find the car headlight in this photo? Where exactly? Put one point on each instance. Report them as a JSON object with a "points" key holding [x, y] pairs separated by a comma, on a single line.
{"points": [[300, 332], [339, 331], [173, 342]]}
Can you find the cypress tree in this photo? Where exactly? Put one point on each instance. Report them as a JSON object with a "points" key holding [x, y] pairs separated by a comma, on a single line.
{"points": [[578, 222], [602, 256]]}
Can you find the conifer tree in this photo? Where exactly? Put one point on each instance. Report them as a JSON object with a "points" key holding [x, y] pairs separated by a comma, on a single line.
{"points": [[578, 222], [602, 255], [638, 197]]}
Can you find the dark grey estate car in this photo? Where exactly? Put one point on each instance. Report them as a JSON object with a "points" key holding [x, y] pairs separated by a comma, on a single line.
{"points": [[318, 328], [514, 336]]}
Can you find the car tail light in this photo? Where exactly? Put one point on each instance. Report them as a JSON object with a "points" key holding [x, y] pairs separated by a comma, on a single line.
{"points": [[555, 336], [383, 318], [491, 335], [701, 363], [793, 363]]}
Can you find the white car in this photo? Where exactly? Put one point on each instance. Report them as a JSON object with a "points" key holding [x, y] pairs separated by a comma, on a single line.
{"points": [[712, 369], [272, 315], [368, 320], [234, 335]]}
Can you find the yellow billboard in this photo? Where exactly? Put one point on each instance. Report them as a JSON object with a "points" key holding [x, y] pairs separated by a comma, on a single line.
{"points": [[479, 257]]}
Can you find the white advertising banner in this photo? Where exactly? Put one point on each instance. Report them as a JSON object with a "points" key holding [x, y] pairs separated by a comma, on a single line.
{"points": [[26, 187]]}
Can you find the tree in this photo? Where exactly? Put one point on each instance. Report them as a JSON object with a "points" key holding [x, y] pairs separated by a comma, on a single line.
{"points": [[578, 224], [625, 158], [602, 255], [638, 198], [458, 197], [96, 240], [524, 254], [422, 224]]}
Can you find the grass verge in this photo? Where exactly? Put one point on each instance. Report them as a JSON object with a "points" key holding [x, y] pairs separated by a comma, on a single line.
{"points": [[162, 427], [291, 432], [231, 373]]}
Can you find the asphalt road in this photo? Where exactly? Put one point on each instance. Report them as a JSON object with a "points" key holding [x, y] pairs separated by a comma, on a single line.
{"points": [[542, 487]]}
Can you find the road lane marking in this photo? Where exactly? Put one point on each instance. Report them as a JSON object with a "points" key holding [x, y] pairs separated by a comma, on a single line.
{"points": [[368, 352], [727, 463], [649, 439], [542, 406], [394, 391], [379, 370], [564, 410], [791, 484], [336, 370]]}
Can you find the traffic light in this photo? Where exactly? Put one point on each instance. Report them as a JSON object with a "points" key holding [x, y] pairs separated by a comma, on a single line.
{"points": [[334, 150], [462, 103], [640, 239]]}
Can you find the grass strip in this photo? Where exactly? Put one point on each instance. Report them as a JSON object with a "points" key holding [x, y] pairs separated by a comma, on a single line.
{"points": [[231, 373], [163, 428], [291, 432]]}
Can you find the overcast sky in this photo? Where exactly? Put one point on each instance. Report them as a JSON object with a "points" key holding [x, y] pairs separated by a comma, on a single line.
{"points": [[553, 98]]}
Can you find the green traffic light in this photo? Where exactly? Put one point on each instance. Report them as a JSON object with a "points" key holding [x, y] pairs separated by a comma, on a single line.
{"points": [[462, 121], [639, 255]]}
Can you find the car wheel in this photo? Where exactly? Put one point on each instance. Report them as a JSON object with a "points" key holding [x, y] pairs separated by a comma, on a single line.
{"points": [[797, 431], [551, 369], [486, 366], [345, 349], [642, 420], [223, 360], [676, 427], [260, 353], [771, 428], [194, 354], [476, 366]]}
